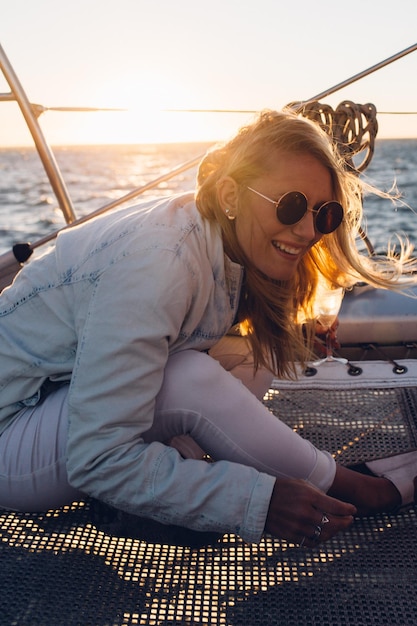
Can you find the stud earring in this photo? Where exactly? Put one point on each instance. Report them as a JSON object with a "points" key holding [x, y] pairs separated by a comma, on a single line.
{"points": [[230, 215]]}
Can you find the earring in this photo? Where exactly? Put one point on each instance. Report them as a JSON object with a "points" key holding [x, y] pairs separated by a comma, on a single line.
{"points": [[230, 215]]}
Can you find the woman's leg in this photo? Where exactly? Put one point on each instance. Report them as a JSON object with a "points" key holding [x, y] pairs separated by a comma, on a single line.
{"points": [[200, 398], [33, 474], [234, 354]]}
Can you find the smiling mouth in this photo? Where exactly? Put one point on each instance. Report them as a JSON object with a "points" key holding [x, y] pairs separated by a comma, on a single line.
{"points": [[285, 248]]}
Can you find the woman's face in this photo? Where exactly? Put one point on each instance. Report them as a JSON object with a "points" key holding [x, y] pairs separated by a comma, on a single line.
{"points": [[276, 249]]}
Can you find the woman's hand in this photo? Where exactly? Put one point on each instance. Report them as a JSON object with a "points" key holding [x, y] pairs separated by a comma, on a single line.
{"points": [[320, 338], [301, 513]]}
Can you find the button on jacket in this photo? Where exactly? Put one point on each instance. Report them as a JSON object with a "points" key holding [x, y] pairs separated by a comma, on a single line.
{"points": [[104, 309]]}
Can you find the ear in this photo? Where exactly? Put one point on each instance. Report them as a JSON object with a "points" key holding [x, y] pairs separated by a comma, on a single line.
{"points": [[228, 196]]}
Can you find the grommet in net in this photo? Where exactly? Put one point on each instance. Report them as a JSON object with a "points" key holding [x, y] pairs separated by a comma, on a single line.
{"points": [[399, 369], [353, 370], [310, 371]]}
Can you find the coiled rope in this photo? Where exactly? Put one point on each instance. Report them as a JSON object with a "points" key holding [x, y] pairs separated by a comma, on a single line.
{"points": [[352, 126]]}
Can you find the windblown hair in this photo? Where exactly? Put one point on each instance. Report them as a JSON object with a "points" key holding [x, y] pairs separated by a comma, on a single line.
{"points": [[270, 310]]}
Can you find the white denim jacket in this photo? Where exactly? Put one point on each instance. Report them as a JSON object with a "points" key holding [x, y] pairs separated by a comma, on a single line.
{"points": [[104, 309]]}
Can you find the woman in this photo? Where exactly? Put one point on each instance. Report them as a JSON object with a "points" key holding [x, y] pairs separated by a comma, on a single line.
{"points": [[105, 341]]}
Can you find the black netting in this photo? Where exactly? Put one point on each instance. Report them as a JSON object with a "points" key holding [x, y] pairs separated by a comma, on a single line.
{"points": [[353, 424], [60, 569]]}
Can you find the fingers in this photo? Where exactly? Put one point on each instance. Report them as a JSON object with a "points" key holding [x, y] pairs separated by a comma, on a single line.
{"points": [[326, 528], [332, 516], [303, 514], [334, 506]]}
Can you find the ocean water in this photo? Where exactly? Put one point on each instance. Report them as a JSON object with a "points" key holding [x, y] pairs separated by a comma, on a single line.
{"points": [[96, 175]]}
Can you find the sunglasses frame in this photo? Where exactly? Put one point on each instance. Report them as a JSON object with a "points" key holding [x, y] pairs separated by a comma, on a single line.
{"points": [[315, 212]]}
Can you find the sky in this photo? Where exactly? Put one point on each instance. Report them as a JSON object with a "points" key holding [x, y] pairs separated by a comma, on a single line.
{"points": [[148, 56]]}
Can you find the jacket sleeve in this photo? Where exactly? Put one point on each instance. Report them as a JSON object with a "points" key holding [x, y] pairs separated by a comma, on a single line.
{"points": [[125, 334]]}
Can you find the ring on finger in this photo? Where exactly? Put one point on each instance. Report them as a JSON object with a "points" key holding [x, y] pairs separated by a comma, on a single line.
{"points": [[317, 533]]}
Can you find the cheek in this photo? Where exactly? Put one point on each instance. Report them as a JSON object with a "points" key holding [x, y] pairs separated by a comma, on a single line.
{"points": [[254, 231], [243, 230], [250, 238]]}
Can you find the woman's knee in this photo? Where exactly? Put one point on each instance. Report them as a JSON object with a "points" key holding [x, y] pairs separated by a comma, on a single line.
{"points": [[233, 352]]}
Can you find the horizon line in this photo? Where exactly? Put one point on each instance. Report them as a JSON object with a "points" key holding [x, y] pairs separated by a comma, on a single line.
{"points": [[161, 143]]}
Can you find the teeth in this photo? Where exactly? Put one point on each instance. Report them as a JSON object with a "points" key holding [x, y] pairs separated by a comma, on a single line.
{"points": [[285, 248]]}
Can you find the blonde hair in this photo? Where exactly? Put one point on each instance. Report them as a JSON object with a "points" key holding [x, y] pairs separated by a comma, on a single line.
{"points": [[269, 309]]}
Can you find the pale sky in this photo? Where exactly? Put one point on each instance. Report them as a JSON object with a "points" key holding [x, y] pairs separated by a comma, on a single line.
{"points": [[150, 55]]}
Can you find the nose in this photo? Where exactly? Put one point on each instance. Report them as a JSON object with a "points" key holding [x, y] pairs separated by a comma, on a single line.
{"points": [[305, 228]]}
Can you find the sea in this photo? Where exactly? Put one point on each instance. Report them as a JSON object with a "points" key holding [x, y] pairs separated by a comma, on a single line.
{"points": [[97, 175]]}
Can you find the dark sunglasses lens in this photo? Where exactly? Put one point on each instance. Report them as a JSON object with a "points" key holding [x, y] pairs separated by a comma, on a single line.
{"points": [[291, 208], [329, 217]]}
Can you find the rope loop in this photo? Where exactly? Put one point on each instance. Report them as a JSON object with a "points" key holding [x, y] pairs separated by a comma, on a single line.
{"points": [[352, 126]]}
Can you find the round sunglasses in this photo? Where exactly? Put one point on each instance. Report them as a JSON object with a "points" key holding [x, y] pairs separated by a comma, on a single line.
{"points": [[293, 205]]}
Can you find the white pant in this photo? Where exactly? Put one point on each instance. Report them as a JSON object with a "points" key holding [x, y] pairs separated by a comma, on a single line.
{"points": [[33, 475], [198, 397]]}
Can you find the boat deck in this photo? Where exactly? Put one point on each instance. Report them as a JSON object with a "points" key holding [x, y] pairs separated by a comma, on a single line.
{"points": [[58, 568]]}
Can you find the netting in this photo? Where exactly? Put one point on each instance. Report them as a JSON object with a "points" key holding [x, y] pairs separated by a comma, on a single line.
{"points": [[58, 568]]}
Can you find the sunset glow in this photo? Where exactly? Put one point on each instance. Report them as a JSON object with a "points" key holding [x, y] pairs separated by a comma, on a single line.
{"points": [[150, 58]]}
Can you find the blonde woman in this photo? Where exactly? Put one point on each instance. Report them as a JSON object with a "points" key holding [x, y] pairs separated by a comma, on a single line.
{"points": [[112, 344]]}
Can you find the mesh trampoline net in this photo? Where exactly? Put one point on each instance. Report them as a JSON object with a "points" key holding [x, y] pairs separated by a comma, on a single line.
{"points": [[60, 568]]}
